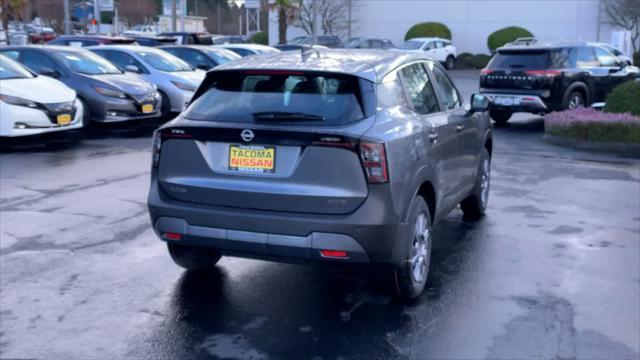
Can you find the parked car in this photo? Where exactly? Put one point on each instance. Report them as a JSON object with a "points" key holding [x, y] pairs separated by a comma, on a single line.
{"points": [[369, 43], [106, 93], [140, 30], [292, 47], [90, 40], [201, 56], [154, 41], [39, 35], [190, 38], [27, 110], [176, 80], [616, 52], [230, 39], [330, 41], [539, 77], [341, 157], [437, 48], [248, 49]]}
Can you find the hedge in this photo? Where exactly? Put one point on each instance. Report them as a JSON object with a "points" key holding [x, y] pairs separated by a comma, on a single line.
{"points": [[625, 98], [471, 61], [428, 29], [636, 58], [588, 124], [260, 37], [500, 37]]}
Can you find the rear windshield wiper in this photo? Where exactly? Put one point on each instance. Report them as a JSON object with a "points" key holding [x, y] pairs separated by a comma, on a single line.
{"points": [[294, 116]]}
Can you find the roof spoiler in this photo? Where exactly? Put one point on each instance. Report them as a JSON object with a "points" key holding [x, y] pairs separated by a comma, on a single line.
{"points": [[523, 41]]}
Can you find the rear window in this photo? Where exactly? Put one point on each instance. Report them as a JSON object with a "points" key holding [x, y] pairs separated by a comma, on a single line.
{"points": [[543, 59], [301, 98]]}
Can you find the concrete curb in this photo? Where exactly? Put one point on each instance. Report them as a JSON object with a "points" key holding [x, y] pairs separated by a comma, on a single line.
{"points": [[626, 148]]}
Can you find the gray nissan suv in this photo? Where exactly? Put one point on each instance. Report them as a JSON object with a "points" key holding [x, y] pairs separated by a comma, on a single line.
{"points": [[322, 155]]}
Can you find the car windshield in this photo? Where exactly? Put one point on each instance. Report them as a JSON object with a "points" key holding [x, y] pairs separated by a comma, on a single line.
{"points": [[10, 69], [614, 50], [292, 98], [163, 61], [411, 45], [352, 43], [86, 62], [222, 57]]}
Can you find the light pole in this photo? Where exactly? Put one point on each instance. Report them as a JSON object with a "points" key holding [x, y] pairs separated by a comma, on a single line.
{"points": [[315, 17], [67, 18], [173, 15], [96, 15]]}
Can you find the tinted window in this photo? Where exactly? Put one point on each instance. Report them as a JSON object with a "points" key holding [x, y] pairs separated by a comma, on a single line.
{"points": [[194, 58], [604, 57], [446, 89], [532, 59], [411, 45], [419, 89], [298, 98], [36, 61], [375, 44], [89, 43], [562, 58], [163, 61], [120, 59], [242, 52], [585, 58]]}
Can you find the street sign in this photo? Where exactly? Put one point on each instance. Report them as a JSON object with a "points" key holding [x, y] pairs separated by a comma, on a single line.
{"points": [[252, 4], [106, 5], [181, 7]]}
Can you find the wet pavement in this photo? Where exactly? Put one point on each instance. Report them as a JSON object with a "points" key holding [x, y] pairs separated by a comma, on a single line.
{"points": [[552, 271]]}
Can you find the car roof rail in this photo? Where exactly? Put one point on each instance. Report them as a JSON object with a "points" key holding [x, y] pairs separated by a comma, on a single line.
{"points": [[523, 41]]}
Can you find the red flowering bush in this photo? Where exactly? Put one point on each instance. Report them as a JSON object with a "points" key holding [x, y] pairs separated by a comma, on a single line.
{"points": [[593, 125]]}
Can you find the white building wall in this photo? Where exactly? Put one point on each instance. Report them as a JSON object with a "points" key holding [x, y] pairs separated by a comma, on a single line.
{"points": [[470, 21]]}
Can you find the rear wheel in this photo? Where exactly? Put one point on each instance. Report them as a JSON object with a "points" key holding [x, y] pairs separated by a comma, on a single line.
{"points": [[450, 63], [193, 258], [475, 204], [573, 100], [500, 116], [88, 126], [410, 277]]}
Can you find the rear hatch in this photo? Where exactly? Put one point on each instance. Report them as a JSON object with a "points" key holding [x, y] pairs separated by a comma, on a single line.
{"points": [[270, 140], [533, 69]]}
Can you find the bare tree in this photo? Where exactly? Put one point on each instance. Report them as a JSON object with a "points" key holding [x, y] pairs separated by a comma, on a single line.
{"points": [[625, 14], [13, 9], [333, 14]]}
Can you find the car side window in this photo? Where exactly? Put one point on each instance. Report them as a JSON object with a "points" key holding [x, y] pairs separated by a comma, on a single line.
{"points": [[445, 88], [419, 89], [605, 58], [375, 44], [121, 59], [11, 54], [585, 58], [439, 44], [89, 43], [430, 45], [36, 61], [194, 58]]}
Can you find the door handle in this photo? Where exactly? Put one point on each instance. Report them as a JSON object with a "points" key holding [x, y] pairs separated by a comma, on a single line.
{"points": [[433, 138], [459, 128]]}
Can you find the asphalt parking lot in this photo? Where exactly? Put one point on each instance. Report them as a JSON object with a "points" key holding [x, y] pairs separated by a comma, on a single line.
{"points": [[552, 271]]}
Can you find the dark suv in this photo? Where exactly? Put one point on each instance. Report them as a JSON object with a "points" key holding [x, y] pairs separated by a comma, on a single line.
{"points": [[535, 77], [340, 157]]}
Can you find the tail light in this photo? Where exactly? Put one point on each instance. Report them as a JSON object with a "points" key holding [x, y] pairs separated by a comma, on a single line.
{"points": [[374, 162], [543, 73], [485, 71], [334, 254], [155, 148]]}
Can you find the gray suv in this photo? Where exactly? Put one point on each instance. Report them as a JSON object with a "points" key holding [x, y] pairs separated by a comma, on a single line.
{"points": [[323, 155]]}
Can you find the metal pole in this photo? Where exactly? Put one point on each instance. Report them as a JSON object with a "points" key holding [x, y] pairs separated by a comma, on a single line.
{"points": [[173, 16], [349, 19], [599, 20], [115, 17], [96, 14], [197, 1], [315, 17], [67, 18], [246, 13], [219, 18]]}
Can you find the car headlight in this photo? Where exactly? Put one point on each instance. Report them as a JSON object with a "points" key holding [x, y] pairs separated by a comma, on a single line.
{"points": [[184, 86], [14, 100], [110, 92]]}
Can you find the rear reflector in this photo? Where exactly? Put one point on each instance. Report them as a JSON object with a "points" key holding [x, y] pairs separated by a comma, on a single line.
{"points": [[172, 236], [334, 254], [485, 71]]}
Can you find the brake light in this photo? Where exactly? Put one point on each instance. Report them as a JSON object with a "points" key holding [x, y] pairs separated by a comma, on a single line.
{"points": [[336, 254], [485, 71], [172, 236], [543, 73], [374, 162]]}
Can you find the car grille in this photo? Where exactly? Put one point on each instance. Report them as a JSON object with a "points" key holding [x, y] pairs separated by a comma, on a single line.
{"points": [[144, 98]]}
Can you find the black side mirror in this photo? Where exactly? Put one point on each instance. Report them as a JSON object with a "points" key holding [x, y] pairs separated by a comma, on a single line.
{"points": [[479, 103], [203, 67], [49, 72], [132, 68]]}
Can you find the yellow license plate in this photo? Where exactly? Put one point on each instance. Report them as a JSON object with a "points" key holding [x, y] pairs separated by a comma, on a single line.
{"points": [[147, 108], [63, 119], [250, 158]]}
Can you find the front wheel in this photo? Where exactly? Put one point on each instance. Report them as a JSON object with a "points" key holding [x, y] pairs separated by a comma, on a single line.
{"points": [[573, 100], [475, 204], [450, 63], [410, 277], [500, 116], [193, 258]]}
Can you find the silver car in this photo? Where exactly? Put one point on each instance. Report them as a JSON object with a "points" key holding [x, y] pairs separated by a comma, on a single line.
{"points": [[324, 155], [176, 80]]}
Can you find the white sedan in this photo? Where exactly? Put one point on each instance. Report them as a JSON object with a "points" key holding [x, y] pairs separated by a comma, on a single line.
{"points": [[437, 48], [34, 105]]}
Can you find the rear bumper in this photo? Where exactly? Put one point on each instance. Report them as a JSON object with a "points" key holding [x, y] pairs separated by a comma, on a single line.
{"points": [[516, 102], [367, 235]]}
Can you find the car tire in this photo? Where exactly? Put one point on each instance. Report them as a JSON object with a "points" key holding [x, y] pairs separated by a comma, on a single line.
{"points": [[88, 126], [193, 258], [573, 100], [450, 62], [475, 205], [165, 107], [501, 117], [410, 276]]}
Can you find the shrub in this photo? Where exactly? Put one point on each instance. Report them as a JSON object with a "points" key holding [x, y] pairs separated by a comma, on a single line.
{"points": [[625, 98], [636, 58], [500, 37], [471, 61], [429, 29], [480, 61], [593, 125], [260, 37]]}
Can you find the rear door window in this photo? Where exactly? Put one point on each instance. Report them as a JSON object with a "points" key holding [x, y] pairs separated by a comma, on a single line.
{"points": [[585, 58], [419, 89], [291, 97], [605, 58], [446, 89], [36, 61]]}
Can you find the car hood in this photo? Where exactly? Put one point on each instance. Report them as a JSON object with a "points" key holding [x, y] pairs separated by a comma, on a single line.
{"points": [[32, 89], [191, 77], [129, 83]]}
